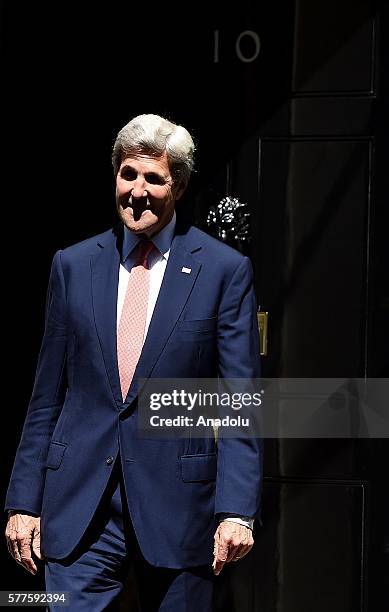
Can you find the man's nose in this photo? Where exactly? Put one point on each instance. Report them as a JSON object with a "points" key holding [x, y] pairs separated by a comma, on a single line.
{"points": [[139, 190]]}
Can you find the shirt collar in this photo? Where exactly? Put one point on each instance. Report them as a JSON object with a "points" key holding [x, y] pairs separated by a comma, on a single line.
{"points": [[162, 240]]}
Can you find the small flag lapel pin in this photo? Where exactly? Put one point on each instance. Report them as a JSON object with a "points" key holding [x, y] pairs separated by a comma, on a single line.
{"points": [[186, 270]]}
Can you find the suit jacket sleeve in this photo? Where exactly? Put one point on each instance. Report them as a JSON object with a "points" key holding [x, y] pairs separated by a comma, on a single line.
{"points": [[26, 484], [239, 475]]}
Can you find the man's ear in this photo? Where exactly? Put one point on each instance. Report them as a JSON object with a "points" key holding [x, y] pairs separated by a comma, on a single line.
{"points": [[180, 189]]}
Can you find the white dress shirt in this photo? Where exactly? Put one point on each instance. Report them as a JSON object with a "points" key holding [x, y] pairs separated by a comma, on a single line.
{"points": [[157, 264]]}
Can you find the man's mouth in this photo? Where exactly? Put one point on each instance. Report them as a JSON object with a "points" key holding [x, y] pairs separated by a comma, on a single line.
{"points": [[139, 207]]}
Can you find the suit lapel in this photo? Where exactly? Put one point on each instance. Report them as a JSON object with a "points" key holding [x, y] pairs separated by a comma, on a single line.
{"points": [[173, 295], [105, 277]]}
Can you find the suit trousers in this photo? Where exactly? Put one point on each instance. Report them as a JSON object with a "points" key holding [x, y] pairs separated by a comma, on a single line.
{"points": [[95, 573]]}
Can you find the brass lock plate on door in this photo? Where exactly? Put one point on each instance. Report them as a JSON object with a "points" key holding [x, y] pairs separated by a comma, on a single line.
{"points": [[263, 318]]}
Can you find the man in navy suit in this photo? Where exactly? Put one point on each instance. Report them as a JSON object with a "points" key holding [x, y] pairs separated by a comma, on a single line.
{"points": [[88, 494]]}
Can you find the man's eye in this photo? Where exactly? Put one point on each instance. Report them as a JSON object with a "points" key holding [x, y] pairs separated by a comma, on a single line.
{"points": [[128, 173], [154, 179]]}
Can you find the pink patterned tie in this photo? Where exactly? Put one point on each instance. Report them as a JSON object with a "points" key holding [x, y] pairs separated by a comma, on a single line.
{"points": [[133, 317]]}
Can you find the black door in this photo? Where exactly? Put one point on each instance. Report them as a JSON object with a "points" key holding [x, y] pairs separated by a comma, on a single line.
{"points": [[305, 89]]}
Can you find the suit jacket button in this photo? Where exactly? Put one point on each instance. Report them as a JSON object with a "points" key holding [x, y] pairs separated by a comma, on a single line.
{"points": [[109, 460]]}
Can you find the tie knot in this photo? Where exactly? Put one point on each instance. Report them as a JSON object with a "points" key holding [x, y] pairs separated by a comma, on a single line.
{"points": [[144, 248]]}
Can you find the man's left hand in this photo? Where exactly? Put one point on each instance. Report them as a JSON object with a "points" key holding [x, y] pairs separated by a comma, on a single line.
{"points": [[232, 542]]}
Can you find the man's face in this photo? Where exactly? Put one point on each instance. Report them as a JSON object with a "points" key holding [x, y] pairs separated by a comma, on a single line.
{"points": [[146, 193]]}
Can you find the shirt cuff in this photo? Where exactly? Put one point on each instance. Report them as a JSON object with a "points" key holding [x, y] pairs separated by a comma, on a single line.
{"points": [[27, 512], [246, 521]]}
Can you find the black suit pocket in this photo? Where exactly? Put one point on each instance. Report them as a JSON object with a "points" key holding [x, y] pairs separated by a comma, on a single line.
{"points": [[197, 328], [193, 325], [55, 455], [198, 468]]}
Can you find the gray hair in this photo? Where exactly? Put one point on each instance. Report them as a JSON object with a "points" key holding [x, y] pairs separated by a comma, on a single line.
{"points": [[152, 135]]}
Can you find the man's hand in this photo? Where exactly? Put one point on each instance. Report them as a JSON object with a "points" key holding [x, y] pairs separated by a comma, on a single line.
{"points": [[232, 542], [23, 536]]}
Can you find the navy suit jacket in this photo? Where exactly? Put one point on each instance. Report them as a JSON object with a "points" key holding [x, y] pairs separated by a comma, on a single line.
{"points": [[204, 325]]}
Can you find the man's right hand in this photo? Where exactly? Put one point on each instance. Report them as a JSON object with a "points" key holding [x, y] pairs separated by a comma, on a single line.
{"points": [[23, 536]]}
